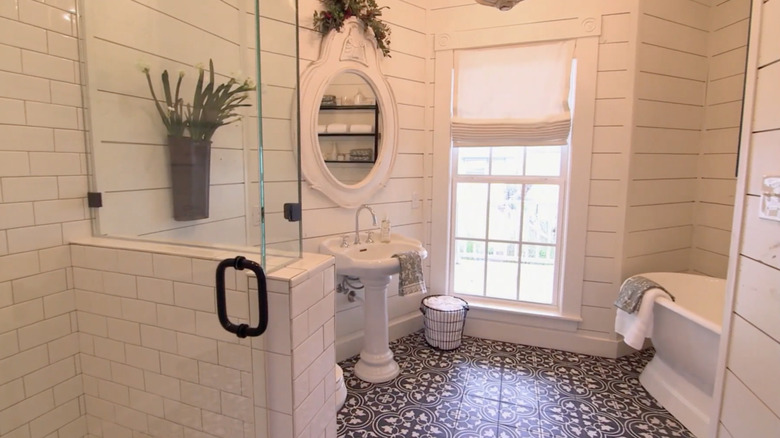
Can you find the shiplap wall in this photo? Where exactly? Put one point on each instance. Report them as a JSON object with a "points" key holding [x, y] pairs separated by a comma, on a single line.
{"points": [[671, 91], [720, 137], [43, 181], [751, 405], [406, 73]]}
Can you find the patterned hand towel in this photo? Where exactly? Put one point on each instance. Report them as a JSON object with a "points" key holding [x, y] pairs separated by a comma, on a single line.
{"points": [[631, 291], [410, 280]]}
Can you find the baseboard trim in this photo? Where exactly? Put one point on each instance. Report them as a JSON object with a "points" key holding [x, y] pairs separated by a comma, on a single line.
{"points": [[348, 346]]}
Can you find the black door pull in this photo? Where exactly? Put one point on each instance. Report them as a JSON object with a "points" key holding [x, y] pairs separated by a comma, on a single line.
{"points": [[242, 330]]}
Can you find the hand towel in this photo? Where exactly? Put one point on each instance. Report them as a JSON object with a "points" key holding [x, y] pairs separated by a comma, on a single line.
{"points": [[337, 127], [631, 291], [363, 129], [410, 280], [635, 327]]}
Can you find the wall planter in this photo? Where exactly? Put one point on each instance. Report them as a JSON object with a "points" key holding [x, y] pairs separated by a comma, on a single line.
{"points": [[190, 170]]}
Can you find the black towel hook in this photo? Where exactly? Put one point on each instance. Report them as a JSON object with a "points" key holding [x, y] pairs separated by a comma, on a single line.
{"points": [[242, 330]]}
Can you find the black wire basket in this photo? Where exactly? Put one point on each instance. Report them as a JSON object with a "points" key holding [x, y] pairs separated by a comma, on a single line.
{"points": [[444, 328]]}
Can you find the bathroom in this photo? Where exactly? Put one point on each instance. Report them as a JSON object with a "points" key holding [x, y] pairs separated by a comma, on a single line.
{"points": [[116, 336]]}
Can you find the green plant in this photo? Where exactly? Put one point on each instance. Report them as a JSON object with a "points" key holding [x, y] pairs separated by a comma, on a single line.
{"points": [[367, 11], [212, 105]]}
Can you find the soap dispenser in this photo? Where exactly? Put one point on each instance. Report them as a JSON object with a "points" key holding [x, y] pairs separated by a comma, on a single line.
{"points": [[384, 231]]}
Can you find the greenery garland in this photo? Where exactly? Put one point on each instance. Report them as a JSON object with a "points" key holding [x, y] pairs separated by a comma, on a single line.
{"points": [[367, 11]]}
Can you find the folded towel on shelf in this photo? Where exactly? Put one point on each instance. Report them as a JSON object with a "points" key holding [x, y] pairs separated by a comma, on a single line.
{"points": [[631, 291], [337, 127], [361, 128], [410, 280], [322, 128]]}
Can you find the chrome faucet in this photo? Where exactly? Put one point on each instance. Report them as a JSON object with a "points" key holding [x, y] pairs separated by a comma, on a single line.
{"points": [[357, 216]]}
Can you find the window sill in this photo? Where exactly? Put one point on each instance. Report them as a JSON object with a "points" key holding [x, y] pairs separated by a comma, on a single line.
{"points": [[520, 314]]}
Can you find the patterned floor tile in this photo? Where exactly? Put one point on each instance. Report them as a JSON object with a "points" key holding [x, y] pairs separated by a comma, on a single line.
{"points": [[497, 389]]}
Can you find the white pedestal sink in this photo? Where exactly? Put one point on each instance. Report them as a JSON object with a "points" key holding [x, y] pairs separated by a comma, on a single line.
{"points": [[374, 265]]}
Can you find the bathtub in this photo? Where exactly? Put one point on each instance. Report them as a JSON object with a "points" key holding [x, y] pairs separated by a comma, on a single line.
{"points": [[686, 337]]}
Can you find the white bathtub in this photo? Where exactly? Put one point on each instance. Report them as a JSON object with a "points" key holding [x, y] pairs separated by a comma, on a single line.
{"points": [[686, 337]]}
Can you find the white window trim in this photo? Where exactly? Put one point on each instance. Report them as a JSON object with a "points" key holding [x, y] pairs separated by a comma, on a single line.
{"points": [[578, 179]]}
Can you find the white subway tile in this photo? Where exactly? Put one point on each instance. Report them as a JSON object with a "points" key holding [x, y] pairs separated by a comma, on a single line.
{"points": [[62, 45], [203, 272], [237, 406], [17, 214], [200, 396], [88, 280], [9, 344], [3, 243], [13, 163], [69, 389], [66, 140], [143, 401], [122, 285], [300, 389], [113, 392], [165, 386], [44, 331], [175, 318], [139, 311], [308, 409], [179, 367], [124, 331], [90, 323], [222, 426], [59, 303], [303, 296], [99, 408], [13, 393], [127, 375], [322, 369], [218, 377], [43, 15], [172, 267], [54, 258], [23, 363], [307, 352], [63, 347], [26, 138], [156, 290], [329, 332], [10, 58], [277, 336], [76, 230], [63, 93], [99, 303], [6, 294], [239, 304], [131, 419], [182, 414], [39, 285], [72, 186], [259, 378], [20, 315], [196, 347], [322, 311], [109, 349], [18, 265], [50, 376], [47, 66], [25, 411], [300, 329], [55, 164], [279, 382], [324, 421], [238, 357], [74, 429], [158, 339], [114, 430], [134, 262], [22, 35], [29, 188], [51, 116], [280, 424], [207, 325], [193, 296], [164, 428], [32, 238]]}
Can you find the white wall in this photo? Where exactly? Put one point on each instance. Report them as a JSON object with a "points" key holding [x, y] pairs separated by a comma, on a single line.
{"points": [[43, 182], [750, 402]]}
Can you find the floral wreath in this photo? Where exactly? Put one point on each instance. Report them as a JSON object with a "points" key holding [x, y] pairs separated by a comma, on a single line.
{"points": [[367, 11]]}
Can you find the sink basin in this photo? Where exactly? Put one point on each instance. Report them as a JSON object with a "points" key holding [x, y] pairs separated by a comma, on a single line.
{"points": [[370, 259]]}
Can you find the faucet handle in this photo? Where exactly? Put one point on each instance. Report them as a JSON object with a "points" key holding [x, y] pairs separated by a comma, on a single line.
{"points": [[345, 241], [370, 238]]}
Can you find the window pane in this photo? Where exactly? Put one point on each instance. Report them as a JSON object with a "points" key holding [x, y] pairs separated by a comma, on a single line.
{"points": [[543, 161], [502, 271], [469, 267], [507, 161], [505, 205], [471, 210], [473, 161], [537, 274], [540, 215]]}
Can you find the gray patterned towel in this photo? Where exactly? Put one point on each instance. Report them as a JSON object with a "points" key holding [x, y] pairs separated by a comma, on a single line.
{"points": [[631, 292], [410, 280]]}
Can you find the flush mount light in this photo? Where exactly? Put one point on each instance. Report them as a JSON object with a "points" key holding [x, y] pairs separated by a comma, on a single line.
{"points": [[502, 5]]}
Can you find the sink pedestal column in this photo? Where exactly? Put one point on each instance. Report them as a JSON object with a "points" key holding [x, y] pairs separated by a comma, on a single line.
{"points": [[376, 362]]}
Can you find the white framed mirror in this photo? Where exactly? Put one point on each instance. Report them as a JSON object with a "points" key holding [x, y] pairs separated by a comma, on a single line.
{"points": [[349, 129]]}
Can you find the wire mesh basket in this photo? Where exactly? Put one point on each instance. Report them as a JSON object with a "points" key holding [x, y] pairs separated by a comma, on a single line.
{"points": [[444, 317]]}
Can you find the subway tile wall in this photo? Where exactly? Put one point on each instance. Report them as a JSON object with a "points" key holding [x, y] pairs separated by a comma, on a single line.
{"points": [[43, 182]]}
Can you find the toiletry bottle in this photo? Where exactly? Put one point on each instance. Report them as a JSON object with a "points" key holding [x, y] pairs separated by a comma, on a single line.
{"points": [[384, 231]]}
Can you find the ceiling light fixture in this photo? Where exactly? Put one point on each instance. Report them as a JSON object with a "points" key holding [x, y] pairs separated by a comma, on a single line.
{"points": [[502, 5]]}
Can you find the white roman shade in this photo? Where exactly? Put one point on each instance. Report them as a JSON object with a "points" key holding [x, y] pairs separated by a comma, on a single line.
{"points": [[512, 96]]}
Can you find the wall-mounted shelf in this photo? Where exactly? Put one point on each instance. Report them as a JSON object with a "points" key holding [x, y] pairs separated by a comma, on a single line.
{"points": [[347, 107], [349, 161], [347, 134], [354, 136]]}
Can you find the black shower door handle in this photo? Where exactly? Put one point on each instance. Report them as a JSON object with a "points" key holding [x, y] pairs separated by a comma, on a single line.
{"points": [[242, 330]]}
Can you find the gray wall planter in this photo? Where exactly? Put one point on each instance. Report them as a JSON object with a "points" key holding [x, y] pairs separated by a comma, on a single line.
{"points": [[190, 174]]}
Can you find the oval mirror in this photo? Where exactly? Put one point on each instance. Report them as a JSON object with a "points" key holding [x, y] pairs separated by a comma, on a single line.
{"points": [[349, 128], [348, 119]]}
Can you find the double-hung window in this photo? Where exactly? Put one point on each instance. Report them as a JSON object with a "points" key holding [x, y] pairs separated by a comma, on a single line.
{"points": [[511, 141]]}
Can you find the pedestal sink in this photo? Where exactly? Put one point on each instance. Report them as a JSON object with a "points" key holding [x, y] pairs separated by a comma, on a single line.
{"points": [[373, 264]]}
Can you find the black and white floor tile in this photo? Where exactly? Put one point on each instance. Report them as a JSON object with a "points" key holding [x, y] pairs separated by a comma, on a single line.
{"points": [[500, 390]]}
